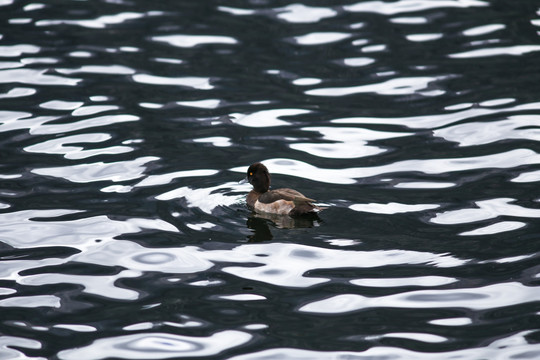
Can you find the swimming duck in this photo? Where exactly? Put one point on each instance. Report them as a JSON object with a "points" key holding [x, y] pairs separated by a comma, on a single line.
{"points": [[280, 201]]}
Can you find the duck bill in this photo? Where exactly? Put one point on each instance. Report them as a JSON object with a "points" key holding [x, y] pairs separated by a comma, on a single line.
{"points": [[244, 180]]}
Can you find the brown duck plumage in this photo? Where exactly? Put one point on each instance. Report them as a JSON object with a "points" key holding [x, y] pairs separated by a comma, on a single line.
{"points": [[280, 201]]}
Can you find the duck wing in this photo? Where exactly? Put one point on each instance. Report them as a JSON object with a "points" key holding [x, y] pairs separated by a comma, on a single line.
{"points": [[284, 194], [302, 205]]}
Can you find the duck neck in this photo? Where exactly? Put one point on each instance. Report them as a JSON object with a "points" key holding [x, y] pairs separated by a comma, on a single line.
{"points": [[261, 190]]}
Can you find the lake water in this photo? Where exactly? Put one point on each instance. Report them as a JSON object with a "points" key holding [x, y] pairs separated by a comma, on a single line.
{"points": [[125, 126]]}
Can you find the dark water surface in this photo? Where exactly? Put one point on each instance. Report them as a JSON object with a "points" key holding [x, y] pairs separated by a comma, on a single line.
{"points": [[125, 126]]}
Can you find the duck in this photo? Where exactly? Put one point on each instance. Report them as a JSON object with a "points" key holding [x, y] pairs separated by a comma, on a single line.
{"points": [[282, 201]]}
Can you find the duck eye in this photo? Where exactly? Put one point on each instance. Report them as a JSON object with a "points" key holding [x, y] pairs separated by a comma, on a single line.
{"points": [[250, 174]]}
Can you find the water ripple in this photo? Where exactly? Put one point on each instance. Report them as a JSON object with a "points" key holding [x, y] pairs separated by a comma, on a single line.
{"points": [[62, 146], [100, 22], [17, 92], [509, 159], [299, 13], [140, 259], [126, 126], [486, 209], [496, 228], [319, 38], [98, 69], [496, 51], [396, 86], [97, 285], [42, 126], [266, 118], [392, 208], [35, 77], [515, 346], [9, 345], [301, 259], [206, 199], [199, 83], [433, 121], [188, 41], [293, 13], [157, 346], [45, 228], [93, 172], [33, 301], [427, 281], [347, 142], [406, 6], [487, 297], [484, 29], [477, 133]]}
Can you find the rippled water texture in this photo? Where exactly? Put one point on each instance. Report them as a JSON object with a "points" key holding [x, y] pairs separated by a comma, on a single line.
{"points": [[125, 126]]}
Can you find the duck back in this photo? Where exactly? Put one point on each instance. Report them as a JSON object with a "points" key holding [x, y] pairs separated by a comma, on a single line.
{"points": [[284, 201]]}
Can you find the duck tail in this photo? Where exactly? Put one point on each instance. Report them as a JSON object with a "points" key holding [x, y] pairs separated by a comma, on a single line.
{"points": [[305, 206], [317, 209]]}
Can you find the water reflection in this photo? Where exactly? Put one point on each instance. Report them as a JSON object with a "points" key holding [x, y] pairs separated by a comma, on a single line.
{"points": [[266, 118], [35, 301], [98, 69], [199, 83], [97, 285], [396, 86], [407, 6], [293, 13], [10, 344], [496, 228], [99, 171], [206, 199], [392, 208], [100, 22], [477, 133], [486, 209], [497, 51], [261, 230], [510, 159], [484, 29], [35, 77], [300, 259], [488, 297], [158, 346], [319, 38], [261, 223], [515, 346], [427, 281], [62, 146], [17, 92], [194, 40], [123, 127], [347, 142], [465, 112]]}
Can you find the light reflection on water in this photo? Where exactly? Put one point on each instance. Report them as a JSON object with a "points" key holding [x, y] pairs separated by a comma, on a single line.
{"points": [[126, 127], [515, 347], [157, 346], [498, 295]]}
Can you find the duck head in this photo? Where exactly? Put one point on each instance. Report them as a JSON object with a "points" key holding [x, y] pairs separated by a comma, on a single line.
{"points": [[259, 177]]}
